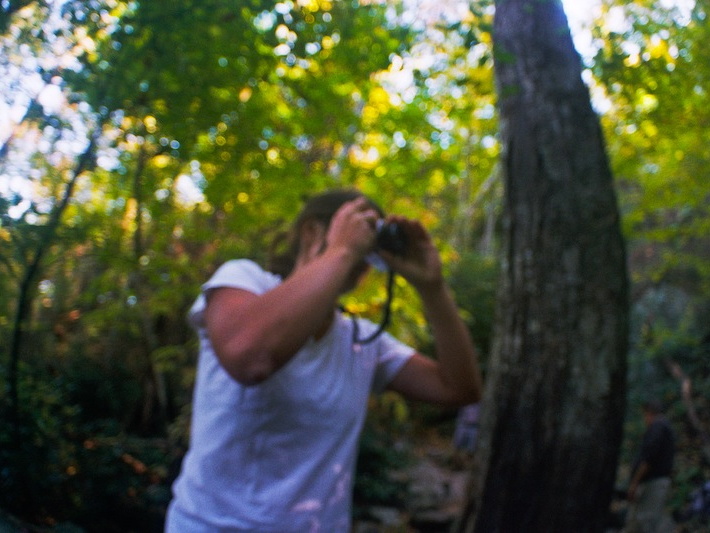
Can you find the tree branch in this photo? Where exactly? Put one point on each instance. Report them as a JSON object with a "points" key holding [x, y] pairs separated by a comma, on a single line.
{"points": [[24, 299], [686, 393]]}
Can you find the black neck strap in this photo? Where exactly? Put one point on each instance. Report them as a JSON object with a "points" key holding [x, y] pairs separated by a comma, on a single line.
{"points": [[385, 315]]}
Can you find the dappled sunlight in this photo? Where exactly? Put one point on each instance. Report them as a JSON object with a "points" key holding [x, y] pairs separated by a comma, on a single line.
{"points": [[142, 144]]}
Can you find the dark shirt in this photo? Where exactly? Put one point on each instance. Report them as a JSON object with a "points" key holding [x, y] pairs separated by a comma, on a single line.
{"points": [[657, 449]]}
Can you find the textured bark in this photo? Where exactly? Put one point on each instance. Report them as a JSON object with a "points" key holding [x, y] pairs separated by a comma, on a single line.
{"points": [[555, 391]]}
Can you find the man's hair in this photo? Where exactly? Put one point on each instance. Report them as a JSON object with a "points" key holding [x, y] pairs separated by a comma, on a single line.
{"points": [[322, 207]]}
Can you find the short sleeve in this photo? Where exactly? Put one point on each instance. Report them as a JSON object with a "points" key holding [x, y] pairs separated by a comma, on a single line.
{"points": [[236, 274]]}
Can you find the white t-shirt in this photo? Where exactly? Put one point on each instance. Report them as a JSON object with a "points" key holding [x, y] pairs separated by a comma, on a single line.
{"points": [[279, 456]]}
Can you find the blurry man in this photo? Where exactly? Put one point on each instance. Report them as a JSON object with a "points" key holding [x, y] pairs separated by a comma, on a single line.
{"points": [[651, 475]]}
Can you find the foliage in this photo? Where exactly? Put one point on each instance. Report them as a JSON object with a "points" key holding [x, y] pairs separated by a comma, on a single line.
{"points": [[74, 465], [651, 68], [474, 281], [383, 452]]}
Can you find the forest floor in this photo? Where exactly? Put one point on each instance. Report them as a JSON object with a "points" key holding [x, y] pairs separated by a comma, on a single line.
{"points": [[437, 479]]}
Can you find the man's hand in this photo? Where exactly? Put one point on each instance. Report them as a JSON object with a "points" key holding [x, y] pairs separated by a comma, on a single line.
{"points": [[421, 264], [353, 228], [453, 377]]}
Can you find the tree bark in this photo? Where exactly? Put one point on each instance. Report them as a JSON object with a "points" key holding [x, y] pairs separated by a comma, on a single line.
{"points": [[555, 391]]}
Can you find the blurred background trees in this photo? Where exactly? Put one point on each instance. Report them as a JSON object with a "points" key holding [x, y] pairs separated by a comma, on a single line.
{"points": [[141, 144]]}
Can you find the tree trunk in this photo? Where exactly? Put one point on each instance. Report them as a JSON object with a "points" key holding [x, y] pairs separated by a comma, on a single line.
{"points": [[555, 391]]}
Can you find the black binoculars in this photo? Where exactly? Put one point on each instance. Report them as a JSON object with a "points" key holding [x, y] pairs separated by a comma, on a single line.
{"points": [[391, 237]]}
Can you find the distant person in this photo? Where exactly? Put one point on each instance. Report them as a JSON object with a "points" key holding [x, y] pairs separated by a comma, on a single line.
{"points": [[651, 475], [283, 378]]}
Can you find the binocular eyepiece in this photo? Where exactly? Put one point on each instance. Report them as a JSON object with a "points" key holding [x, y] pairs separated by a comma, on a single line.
{"points": [[391, 237]]}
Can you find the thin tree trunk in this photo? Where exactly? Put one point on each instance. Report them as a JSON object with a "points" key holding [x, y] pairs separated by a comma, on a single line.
{"points": [[152, 378], [555, 391], [26, 290]]}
